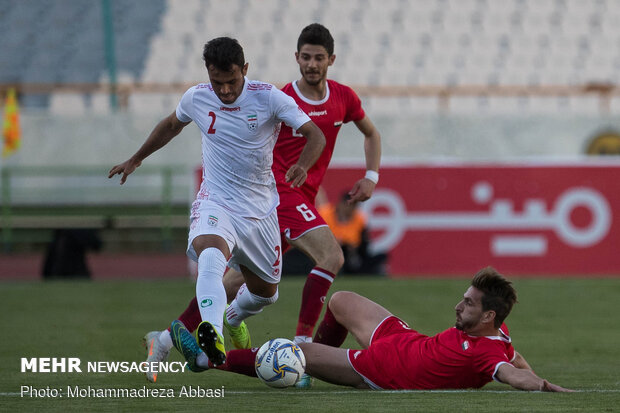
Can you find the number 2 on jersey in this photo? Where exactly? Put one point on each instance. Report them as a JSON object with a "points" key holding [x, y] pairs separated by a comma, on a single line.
{"points": [[306, 212], [279, 253], [211, 128]]}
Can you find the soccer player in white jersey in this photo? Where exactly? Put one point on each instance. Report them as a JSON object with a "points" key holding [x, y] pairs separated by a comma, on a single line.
{"points": [[330, 105], [233, 219]]}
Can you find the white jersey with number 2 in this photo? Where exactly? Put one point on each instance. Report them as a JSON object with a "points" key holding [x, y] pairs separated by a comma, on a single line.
{"points": [[237, 144]]}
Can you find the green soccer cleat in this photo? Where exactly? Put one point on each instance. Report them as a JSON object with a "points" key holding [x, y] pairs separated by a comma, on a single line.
{"points": [[155, 352], [239, 336], [305, 382], [211, 342], [186, 344]]}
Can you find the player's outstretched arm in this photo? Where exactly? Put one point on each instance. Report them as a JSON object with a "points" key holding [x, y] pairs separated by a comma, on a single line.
{"points": [[520, 362], [363, 189], [164, 131], [526, 379], [315, 144]]}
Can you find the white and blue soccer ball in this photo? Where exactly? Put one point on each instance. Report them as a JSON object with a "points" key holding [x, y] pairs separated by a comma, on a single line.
{"points": [[280, 363]]}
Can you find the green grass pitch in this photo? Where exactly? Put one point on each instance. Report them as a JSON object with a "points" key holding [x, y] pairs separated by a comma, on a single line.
{"points": [[568, 329]]}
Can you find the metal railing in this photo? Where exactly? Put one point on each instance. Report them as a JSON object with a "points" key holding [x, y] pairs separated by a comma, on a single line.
{"points": [[77, 197]]}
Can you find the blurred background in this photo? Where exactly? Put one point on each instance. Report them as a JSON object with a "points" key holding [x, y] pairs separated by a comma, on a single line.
{"points": [[449, 83]]}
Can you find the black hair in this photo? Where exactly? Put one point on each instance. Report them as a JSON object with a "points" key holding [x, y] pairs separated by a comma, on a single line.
{"points": [[223, 53], [316, 34]]}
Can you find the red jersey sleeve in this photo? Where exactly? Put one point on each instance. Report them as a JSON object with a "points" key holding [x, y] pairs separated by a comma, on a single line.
{"points": [[492, 352], [354, 110]]}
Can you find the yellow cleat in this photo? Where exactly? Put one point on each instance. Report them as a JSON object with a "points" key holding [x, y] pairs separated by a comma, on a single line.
{"points": [[211, 342], [239, 336]]}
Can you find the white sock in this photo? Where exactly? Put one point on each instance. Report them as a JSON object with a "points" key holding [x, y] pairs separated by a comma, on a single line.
{"points": [[165, 339], [202, 360], [210, 291], [302, 339], [246, 304]]}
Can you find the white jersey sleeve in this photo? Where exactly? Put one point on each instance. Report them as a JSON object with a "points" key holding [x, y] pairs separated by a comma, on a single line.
{"points": [[286, 109], [185, 107]]}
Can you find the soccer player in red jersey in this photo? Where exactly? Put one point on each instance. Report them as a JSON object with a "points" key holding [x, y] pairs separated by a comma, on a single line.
{"points": [[477, 350], [329, 104]]}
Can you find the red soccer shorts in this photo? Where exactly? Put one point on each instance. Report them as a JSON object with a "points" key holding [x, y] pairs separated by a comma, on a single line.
{"points": [[382, 362], [297, 215]]}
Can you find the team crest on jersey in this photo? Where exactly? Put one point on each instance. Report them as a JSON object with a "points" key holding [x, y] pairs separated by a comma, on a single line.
{"points": [[212, 221], [252, 122], [465, 345]]}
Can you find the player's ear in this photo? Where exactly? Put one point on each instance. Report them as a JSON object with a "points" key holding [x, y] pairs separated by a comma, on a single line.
{"points": [[488, 316], [332, 59], [245, 69]]}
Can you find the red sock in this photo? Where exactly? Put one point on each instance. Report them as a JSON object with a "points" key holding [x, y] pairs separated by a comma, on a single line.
{"points": [[312, 299], [330, 331], [191, 316], [240, 361]]}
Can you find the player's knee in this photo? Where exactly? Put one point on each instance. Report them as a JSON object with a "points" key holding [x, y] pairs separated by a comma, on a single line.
{"points": [[340, 300]]}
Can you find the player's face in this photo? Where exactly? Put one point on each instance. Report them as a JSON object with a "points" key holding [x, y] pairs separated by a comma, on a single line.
{"points": [[313, 62], [469, 310], [227, 84]]}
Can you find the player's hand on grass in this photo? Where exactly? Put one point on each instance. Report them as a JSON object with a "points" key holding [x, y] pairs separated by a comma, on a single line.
{"points": [[296, 175], [550, 387], [361, 191], [125, 169]]}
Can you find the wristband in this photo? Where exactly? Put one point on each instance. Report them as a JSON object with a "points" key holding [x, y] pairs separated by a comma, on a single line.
{"points": [[372, 176]]}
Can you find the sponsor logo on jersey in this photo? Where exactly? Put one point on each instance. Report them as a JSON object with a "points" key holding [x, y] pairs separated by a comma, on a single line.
{"points": [[252, 122], [235, 109], [212, 221], [318, 113], [338, 124], [356, 354]]}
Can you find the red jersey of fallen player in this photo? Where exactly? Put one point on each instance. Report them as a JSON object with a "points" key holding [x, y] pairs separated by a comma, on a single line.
{"points": [[401, 358]]}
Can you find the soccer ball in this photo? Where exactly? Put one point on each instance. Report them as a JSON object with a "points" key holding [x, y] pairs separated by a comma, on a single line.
{"points": [[279, 363]]}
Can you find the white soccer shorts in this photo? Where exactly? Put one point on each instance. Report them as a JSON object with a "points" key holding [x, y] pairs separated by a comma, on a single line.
{"points": [[253, 243]]}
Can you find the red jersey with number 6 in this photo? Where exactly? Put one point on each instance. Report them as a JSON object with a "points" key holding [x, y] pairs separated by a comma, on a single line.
{"points": [[340, 105]]}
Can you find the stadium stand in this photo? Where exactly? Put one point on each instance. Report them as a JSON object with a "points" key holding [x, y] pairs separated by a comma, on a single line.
{"points": [[389, 43]]}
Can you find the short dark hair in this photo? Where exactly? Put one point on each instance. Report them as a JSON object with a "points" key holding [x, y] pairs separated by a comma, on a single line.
{"points": [[223, 53], [498, 293], [316, 34]]}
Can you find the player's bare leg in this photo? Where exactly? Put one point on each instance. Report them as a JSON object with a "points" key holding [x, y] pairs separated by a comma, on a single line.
{"points": [[331, 364], [359, 315]]}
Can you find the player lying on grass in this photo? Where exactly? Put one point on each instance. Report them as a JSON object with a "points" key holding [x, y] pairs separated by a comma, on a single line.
{"points": [[329, 104], [477, 350]]}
